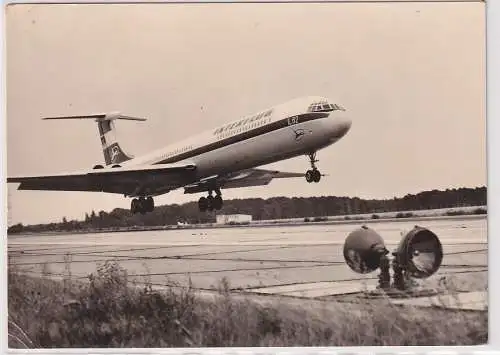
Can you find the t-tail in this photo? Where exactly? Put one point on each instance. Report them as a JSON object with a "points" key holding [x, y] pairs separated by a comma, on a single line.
{"points": [[113, 153]]}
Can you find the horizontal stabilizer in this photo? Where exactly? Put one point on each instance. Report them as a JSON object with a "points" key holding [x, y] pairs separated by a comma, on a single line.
{"points": [[98, 117], [113, 153]]}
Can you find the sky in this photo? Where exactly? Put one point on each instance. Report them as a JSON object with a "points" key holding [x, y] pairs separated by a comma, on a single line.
{"points": [[411, 76]]}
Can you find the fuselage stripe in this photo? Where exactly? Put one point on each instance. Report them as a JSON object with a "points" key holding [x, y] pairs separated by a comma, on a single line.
{"points": [[257, 131]]}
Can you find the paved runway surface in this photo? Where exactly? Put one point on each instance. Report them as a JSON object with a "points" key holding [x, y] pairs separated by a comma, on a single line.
{"points": [[303, 261]]}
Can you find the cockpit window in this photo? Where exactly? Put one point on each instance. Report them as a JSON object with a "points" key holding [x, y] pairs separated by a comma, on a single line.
{"points": [[336, 107], [324, 107]]}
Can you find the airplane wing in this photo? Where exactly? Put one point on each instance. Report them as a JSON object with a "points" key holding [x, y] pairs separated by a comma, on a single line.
{"points": [[131, 182], [245, 178]]}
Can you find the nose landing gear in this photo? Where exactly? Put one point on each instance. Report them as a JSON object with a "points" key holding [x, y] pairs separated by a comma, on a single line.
{"points": [[313, 175]]}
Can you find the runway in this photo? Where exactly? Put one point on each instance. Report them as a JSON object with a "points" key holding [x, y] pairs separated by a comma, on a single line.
{"points": [[301, 261]]}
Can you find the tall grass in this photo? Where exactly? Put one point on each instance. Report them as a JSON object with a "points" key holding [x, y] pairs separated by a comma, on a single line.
{"points": [[108, 311]]}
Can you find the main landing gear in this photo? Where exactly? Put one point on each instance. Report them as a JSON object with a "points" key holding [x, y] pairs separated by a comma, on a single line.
{"points": [[313, 175], [142, 205], [210, 202]]}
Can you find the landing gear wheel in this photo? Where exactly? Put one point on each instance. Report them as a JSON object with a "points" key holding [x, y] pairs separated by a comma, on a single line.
{"points": [[149, 204], [203, 204], [309, 176], [210, 200], [217, 202], [316, 175], [134, 206], [142, 206]]}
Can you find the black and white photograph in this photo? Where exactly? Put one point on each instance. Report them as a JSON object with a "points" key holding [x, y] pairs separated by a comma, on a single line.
{"points": [[221, 175]]}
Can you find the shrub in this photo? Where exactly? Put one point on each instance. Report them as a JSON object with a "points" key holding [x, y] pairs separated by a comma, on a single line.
{"points": [[455, 213], [108, 311], [480, 210], [404, 215]]}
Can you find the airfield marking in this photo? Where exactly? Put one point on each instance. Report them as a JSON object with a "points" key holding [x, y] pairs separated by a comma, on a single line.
{"points": [[276, 246]]}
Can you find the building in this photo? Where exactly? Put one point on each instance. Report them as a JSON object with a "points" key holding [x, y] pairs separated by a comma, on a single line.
{"points": [[233, 219]]}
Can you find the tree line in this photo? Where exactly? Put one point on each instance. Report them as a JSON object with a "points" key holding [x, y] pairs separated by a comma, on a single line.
{"points": [[264, 209]]}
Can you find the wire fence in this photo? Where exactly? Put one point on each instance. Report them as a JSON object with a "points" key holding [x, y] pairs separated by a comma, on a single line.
{"points": [[266, 264]]}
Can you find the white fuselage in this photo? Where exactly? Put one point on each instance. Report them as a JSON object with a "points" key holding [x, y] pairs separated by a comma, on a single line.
{"points": [[282, 132]]}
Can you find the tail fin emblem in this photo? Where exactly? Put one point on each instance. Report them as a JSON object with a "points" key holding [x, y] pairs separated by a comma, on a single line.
{"points": [[115, 152]]}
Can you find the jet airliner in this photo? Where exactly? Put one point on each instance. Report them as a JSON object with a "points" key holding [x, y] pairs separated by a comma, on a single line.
{"points": [[225, 157]]}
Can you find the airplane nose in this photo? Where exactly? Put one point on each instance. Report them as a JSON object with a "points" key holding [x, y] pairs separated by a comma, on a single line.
{"points": [[343, 125]]}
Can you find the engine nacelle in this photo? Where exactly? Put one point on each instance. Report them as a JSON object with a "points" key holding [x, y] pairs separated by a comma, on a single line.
{"points": [[98, 166]]}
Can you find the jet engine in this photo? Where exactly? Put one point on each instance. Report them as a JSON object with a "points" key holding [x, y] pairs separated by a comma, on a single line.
{"points": [[418, 255]]}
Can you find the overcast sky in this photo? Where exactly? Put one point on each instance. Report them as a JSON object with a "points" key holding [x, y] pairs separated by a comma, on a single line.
{"points": [[410, 75]]}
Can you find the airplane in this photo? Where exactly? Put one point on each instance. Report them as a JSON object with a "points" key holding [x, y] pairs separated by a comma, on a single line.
{"points": [[225, 157]]}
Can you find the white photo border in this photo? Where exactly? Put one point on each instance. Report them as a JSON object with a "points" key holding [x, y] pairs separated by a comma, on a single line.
{"points": [[493, 203]]}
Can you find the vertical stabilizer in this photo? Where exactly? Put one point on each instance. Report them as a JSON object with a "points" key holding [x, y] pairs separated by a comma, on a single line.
{"points": [[111, 150], [113, 153]]}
